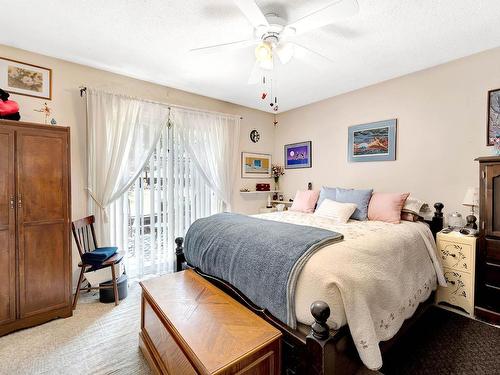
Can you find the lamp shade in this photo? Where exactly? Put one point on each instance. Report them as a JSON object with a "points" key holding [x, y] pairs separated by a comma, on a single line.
{"points": [[471, 197]]}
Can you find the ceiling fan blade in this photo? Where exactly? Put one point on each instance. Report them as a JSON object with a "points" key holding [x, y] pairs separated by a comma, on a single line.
{"points": [[335, 10], [250, 9], [308, 50], [226, 46], [285, 52]]}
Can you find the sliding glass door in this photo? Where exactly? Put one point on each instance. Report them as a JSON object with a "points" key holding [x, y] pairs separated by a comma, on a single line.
{"points": [[162, 203]]}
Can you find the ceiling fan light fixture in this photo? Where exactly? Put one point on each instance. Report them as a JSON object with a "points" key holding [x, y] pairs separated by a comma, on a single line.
{"points": [[285, 52], [263, 52]]}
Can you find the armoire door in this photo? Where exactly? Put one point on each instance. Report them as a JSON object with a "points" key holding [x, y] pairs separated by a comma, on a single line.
{"points": [[43, 222], [492, 201], [7, 228]]}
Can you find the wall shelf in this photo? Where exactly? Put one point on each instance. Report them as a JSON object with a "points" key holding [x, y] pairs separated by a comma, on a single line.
{"points": [[284, 202], [260, 192]]}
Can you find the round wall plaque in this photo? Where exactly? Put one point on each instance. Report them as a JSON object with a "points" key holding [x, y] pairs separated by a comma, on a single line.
{"points": [[254, 136]]}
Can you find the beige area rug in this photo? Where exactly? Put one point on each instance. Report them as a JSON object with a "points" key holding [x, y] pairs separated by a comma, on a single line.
{"points": [[98, 339]]}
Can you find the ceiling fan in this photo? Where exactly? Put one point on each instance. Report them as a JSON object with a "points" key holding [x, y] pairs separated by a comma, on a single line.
{"points": [[273, 36]]}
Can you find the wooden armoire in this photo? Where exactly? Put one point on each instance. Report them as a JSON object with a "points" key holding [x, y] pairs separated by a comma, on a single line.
{"points": [[35, 242], [488, 259]]}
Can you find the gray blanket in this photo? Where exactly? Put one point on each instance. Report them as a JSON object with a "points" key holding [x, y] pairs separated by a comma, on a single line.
{"points": [[262, 258]]}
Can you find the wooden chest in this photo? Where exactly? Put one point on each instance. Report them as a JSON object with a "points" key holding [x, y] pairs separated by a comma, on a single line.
{"points": [[189, 326]]}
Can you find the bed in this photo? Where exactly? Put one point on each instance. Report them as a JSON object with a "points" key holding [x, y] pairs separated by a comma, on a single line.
{"points": [[372, 282]]}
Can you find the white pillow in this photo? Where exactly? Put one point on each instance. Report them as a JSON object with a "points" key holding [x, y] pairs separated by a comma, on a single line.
{"points": [[415, 206], [339, 212]]}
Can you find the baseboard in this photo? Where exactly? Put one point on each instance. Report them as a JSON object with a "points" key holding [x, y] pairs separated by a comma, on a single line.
{"points": [[487, 316], [35, 320]]}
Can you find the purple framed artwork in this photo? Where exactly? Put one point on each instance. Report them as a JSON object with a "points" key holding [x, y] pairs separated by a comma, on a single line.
{"points": [[298, 155]]}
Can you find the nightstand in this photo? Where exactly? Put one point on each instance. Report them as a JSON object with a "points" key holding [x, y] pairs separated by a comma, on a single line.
{"points": [[458, 257]]}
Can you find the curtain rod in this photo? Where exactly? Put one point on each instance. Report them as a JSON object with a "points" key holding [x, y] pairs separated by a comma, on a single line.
{"points": [[83, 90]]}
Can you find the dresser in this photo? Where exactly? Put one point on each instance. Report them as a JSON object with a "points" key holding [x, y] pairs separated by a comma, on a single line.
{"points": [[35, 252], [488, 260], [458, 257]]}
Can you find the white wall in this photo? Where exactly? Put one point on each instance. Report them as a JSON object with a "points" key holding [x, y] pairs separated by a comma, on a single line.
{"points": [[69, 110], [441, 115]]}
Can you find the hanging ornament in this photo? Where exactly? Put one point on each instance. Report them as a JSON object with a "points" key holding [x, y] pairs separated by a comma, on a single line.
{"points": [[275, 104]]}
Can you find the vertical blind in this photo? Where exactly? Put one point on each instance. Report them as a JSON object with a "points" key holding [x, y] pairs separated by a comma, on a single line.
{"points": [[162, 203]]}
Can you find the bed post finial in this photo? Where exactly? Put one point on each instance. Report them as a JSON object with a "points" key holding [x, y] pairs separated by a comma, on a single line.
{"points": [[321, 312], [179, 254], [439, 208], [320, 343], [437, 222]]}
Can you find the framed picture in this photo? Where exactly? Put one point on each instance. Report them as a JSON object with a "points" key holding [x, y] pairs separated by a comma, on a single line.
{"points": [[298, 155], [255, 165], [375, 141], [493, 116], [25, 79]]}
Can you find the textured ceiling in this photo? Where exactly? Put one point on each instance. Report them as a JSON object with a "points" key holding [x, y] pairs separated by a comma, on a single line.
{"points": [[150, 39]]}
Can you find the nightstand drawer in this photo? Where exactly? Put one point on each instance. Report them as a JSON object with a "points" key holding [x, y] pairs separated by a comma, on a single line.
{"points": [[459, 290], [456, 255]]}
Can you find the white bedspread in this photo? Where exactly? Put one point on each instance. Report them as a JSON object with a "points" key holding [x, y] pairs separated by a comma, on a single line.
{"points": [[373, 280]]}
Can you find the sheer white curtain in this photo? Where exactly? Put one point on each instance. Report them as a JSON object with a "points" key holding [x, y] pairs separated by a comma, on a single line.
{"points": [[211, 141], [162, 203], [122, 134], [149, 181]]}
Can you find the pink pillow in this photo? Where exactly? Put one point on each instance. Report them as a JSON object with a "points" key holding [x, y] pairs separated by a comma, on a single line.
{"points": [[387, 207], [305, 201]]}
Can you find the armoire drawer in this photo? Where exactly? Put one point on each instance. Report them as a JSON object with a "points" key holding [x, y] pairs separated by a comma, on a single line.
{"points": [[459, 290], [491, 298], [492, 274], [455, 255], [493, 250]]}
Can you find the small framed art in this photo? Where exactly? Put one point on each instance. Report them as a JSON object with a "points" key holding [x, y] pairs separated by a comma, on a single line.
{"points": [[25, 79], [298, 155], [255, 165], [375, 141], [493, 116]]}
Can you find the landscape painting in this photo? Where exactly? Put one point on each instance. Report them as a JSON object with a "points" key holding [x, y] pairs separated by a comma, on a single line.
{"points": [[25, 79], [493, 116], [298, 155], [255, 165], [372, 142]]}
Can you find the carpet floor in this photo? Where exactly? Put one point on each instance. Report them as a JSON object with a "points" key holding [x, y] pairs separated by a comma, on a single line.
{"points": [[445, 343], [98, 339], [102, 339]]}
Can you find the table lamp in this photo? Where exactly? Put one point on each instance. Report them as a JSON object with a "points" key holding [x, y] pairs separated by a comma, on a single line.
{"points": [[471, 199]]}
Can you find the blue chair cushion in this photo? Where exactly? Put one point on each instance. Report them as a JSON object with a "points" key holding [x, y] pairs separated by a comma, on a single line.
{"points": [[99, 255]]}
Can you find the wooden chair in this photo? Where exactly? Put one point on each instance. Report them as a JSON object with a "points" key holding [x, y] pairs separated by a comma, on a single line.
{"points": [[84, 234]]}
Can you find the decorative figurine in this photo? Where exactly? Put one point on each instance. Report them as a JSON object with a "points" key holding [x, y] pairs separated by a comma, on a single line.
{"points": [[45, 110]]}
